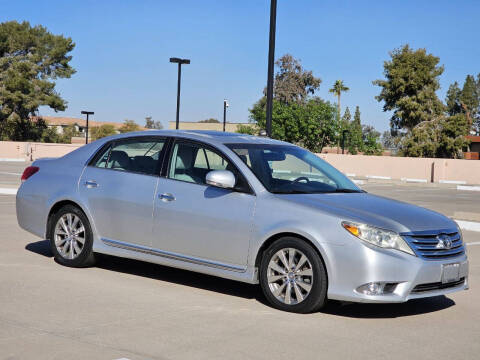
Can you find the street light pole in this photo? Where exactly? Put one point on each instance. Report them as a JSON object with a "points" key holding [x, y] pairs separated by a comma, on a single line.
{"points": [[225, 105], [87, 113], [271, 63], [179, 62]]}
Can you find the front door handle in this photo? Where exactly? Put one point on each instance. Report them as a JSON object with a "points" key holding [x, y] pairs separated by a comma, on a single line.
{"points": [[91, 184], [166, 197]]}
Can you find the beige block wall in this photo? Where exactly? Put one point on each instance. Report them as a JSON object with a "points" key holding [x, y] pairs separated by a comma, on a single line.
{"points": [[32, 151], [403, 167], [12, 150], [360, 165]]}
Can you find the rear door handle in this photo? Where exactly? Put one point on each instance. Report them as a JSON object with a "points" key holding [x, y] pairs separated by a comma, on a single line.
{"points": [[91, 184], [166, 197]]}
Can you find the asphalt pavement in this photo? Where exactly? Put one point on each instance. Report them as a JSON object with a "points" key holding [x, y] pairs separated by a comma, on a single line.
{"points": [[126, 309]]}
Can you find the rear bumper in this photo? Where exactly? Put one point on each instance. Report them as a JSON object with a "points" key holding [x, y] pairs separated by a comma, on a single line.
{"points": [[414, 277], [30, 209]]}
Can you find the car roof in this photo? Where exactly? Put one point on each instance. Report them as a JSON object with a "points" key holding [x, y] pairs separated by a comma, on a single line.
{"points": [[210, 136]]}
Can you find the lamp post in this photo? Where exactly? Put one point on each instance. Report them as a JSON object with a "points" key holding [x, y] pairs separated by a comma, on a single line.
{"points": [[271, 59], [179, 62], [87, 113], [225, 105]]}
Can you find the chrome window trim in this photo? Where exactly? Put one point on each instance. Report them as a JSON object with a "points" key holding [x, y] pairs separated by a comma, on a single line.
{"points": [[170, 255], [203, 145], [111, 143]]}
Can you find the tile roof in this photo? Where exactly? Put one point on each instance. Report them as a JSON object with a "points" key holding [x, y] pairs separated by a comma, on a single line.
{"points": [[57, 120]]}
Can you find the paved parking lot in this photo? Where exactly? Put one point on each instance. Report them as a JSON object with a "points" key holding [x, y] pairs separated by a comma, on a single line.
{"points": [[132, 310], [10, 173], [457, 204]]}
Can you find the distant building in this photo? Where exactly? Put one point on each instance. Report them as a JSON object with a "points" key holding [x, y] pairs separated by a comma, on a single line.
{"points": [[187, 125], [474, 148], [60, 123]]}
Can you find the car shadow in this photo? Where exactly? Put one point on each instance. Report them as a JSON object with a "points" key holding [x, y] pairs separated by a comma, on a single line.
{"points": [[248, 291], [384, 311], [41, 247], [179, 276]]}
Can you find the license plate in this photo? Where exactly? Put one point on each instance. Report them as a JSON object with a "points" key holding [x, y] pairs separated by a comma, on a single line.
{"points": [[450, 273]]}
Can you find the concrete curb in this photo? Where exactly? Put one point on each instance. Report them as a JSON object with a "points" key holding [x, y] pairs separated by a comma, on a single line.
{"points": [[12, 160], [458, 182], [8, 191], [414, 180], [468, 188], [378, 177]]}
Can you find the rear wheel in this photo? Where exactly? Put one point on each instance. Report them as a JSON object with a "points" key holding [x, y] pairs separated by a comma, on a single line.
{"points": [[71, 237], [293, 277]]}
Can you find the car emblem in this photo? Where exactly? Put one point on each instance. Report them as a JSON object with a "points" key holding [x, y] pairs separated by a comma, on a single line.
{"points": [[444, 242]]}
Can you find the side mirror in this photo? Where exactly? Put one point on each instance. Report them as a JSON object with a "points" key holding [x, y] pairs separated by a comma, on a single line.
{"points": [[221, 178]]}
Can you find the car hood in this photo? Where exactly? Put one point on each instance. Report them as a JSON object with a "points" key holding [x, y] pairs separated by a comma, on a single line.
{"points": [[375, 210]]}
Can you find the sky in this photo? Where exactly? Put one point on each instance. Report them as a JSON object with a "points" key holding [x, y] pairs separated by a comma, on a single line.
{"points": [[123, 48]]}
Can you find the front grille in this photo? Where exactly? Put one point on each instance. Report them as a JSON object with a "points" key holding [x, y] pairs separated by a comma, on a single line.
{"points": [[437, 286], [426, 244]]}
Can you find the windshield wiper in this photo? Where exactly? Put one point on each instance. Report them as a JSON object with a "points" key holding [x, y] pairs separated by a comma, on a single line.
{"points": [[347, 191], [289, 192]]}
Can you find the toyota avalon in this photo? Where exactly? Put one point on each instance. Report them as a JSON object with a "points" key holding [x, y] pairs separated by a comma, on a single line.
{"points": [[241, 207]]}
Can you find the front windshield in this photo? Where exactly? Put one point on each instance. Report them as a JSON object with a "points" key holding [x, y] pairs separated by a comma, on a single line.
{"points": [[288, 169]]}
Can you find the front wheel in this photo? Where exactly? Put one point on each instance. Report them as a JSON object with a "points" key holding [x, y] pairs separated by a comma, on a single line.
{"points": [[293, 277], [71, 237]]}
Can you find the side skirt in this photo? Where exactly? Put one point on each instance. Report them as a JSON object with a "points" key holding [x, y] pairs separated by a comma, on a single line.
{"points": [[170, 255]]}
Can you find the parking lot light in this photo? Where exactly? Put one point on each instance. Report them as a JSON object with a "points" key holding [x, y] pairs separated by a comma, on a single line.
{"points": [[179, 62]]}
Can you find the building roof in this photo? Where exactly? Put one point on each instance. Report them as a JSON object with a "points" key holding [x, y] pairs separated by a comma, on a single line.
{"points": [[473, 139], [65, 121]]}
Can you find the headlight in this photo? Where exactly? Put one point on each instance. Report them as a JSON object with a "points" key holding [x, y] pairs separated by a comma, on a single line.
{"points": [[378, 237]]}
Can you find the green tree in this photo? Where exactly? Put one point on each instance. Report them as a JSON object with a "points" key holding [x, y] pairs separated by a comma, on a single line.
{"points": [[337, 89], [391, 141], [129, 126], [49, 135], [371, 141], [31, 58], [211, 120], [442, 137], [245, 129], [469, 98], [98, 132], [297, 116], [151, 124], [311, 124], [355, 138], [293, 84], [452, 100], [477, 115], [68, 132], [344, 125], [409, 89]]}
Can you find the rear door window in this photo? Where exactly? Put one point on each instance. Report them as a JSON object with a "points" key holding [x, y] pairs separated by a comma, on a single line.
{"points": [[139, 156]]}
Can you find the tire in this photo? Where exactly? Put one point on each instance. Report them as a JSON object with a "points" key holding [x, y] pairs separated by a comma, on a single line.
{"points": [[307, 282], [65, 243]]}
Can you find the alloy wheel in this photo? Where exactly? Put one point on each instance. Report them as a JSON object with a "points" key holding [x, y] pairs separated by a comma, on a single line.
{"points": [[290, 276], [69, 236]]}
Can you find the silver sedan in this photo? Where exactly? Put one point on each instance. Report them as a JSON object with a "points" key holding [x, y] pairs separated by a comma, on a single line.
{"points": [[240, 207]]}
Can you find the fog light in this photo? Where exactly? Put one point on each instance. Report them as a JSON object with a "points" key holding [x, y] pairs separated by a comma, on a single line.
{"points": [[377, 288]]}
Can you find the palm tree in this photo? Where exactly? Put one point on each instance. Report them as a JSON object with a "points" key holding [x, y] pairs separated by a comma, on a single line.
{"points": [[337, 89]]}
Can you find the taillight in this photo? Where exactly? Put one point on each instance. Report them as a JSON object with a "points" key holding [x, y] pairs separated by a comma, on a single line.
{"points": [[29, 171]]}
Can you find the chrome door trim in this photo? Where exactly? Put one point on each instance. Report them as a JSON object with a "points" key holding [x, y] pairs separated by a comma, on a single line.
{"points": [[170, 255]]}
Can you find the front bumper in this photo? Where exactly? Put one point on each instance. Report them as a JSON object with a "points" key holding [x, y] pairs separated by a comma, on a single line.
{"points": [[357, 263]]}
